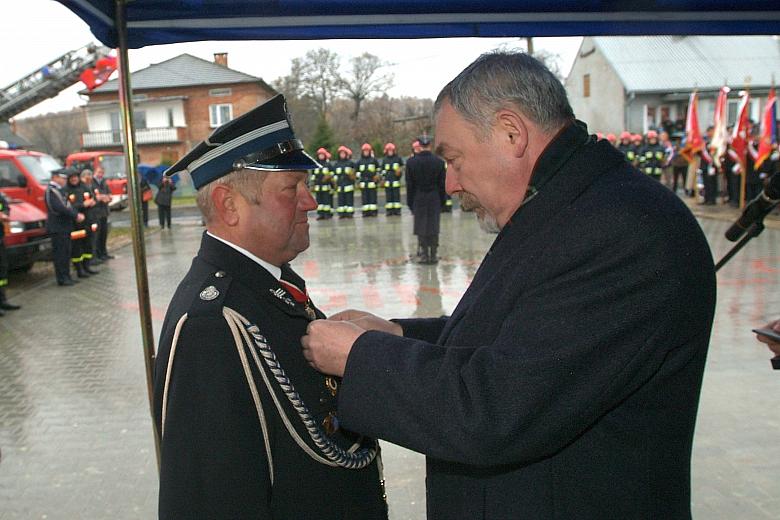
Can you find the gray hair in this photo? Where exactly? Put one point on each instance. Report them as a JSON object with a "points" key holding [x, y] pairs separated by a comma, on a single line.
{"points": [[499, 80], [248, 183]]}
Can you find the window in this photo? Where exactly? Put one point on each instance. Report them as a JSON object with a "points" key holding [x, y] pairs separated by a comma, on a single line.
{"points": [[220, 92], [170, 118], [220, 114], [40, 166], [9, 174], [139, 119], [586, 85]]}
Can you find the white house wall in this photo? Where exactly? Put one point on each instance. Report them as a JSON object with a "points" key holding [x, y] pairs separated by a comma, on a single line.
{"points": [[603, 109], [99, 118]]}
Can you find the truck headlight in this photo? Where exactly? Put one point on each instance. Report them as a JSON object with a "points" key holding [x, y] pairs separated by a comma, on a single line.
{"points": [[15, 226]]}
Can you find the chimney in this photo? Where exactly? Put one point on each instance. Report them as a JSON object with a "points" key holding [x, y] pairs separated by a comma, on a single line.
{"points": [[220, 58]]}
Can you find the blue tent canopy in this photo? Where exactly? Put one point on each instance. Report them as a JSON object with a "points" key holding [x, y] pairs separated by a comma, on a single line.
{"points": [[151, 22]]}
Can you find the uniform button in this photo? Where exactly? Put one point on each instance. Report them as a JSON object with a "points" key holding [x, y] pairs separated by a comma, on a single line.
{"points": [[220, 274]]}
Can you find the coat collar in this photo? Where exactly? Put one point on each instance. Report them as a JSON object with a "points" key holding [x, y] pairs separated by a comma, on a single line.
{"points": [[569, 164], [249, 275]]}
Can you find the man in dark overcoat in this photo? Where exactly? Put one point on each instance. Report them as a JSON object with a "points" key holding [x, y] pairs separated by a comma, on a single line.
{"points": [[565, 383], [248, 428], [425, 174], [60, 219]]}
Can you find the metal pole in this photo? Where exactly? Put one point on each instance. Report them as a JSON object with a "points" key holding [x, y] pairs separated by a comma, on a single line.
{"points": [[139, 252]]}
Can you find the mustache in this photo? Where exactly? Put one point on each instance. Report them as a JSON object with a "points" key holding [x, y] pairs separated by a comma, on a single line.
{"points": [[468, 201]]}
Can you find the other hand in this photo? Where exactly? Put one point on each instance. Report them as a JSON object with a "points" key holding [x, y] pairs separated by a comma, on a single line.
{"points": [[367, 321], [327, 344], [773, 345], [80, 217]]}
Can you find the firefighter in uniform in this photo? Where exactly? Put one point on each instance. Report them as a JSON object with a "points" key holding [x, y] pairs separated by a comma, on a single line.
{"points": [[80, 198], [367, 168], [103, 195], [60, 220], [248, 428], [627, 148], [321, 182], [5, 212], [344, 178], [392, 169], [652, 157]]}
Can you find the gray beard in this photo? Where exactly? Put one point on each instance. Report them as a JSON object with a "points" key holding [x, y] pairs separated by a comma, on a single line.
{"points": [[486, 221]]}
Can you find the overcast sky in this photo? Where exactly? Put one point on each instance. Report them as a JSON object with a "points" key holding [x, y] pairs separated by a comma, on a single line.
{"points": [[41, 30]]}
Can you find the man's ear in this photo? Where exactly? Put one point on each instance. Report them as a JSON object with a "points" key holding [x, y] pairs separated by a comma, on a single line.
{"points": [[225, 204], [512, 131]]}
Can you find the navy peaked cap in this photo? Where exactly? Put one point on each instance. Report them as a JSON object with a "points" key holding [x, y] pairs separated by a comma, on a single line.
{"points": [[262, 139]]}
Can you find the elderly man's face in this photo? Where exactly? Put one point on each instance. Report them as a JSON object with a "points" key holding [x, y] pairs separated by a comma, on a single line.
{"points": [[277, 229], [471, 166]]}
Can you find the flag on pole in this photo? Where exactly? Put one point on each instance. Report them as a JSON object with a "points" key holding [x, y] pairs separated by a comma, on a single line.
{"points": [[694, 142], [739, 136], [100, 73], [768, 128], [720, 139]]}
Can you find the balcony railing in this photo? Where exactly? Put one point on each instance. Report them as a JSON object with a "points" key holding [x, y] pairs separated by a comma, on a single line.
{"points": [[142, 136]]}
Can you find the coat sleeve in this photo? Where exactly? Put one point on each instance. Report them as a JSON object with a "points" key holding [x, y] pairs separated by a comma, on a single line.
{"points": [[410, 185], [569, 351], [55, 204], [213, 464]]}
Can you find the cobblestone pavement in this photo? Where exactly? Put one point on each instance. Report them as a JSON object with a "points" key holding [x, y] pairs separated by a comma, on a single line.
{"points": [[75, 428]]}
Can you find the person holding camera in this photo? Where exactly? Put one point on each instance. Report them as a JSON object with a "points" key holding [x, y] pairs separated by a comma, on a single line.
{"points": [[163, 199]]}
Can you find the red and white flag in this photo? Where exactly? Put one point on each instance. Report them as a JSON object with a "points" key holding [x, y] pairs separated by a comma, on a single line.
{"points": [[720, 139], [768, 129], [694, 142], [739, 136]]}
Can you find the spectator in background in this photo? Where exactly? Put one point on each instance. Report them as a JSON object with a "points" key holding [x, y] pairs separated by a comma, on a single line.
{"points": [[103, 196], [61, 217], [146, 196], [81, 199], [163, 199], [5, 211], [92, 214]]}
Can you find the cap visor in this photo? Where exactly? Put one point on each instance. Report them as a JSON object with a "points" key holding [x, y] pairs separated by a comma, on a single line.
{"points": [[294, 161]]}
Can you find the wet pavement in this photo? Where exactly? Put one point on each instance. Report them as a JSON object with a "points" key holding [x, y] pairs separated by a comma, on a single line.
{"points": [[75, 428]]}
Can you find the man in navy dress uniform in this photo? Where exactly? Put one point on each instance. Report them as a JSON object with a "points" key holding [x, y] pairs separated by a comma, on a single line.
{"points": [[565, 383], [248, 428]]}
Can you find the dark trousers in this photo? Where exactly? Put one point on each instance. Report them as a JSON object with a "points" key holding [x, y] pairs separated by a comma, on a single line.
{"points": [[164, 212], [102, 237], [145, 212], [679, 172], [710, 188], [3, 266], [60, 250], [369, 200]]}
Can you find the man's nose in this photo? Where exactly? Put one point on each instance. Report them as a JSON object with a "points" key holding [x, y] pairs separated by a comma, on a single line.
{"points": [[451, 184], [307, 202]]}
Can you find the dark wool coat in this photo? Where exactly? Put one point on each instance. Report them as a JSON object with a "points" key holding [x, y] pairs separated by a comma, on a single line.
{"points": [[214, 463], [566, 382], [425, 176]]}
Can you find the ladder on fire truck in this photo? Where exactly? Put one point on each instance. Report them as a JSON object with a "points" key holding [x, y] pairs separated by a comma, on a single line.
{"points": [[49, 80]]}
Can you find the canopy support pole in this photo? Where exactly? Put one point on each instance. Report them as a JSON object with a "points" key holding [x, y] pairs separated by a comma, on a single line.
{"points": [[134, 185]]}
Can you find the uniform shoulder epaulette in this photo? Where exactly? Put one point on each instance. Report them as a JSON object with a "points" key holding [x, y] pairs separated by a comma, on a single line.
{"points": [[211, 296]]}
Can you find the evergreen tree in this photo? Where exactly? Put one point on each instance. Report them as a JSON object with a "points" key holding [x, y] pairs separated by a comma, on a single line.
{"points": [[323, 137]]}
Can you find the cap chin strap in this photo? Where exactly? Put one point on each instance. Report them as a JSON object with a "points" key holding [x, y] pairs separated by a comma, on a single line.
{"points": [[282, 148]]}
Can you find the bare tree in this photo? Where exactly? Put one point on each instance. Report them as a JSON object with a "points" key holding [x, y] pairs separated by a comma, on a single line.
{"points": [[364, 80], [320, 79], [58, 134]]}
